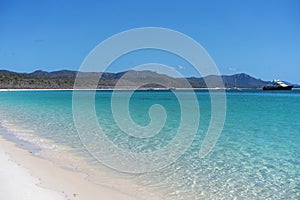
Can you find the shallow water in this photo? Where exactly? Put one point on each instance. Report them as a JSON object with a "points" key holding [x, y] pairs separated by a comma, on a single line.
{"points": [[257, 155]]}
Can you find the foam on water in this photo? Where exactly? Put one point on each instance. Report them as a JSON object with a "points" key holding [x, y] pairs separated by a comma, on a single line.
{"points": [[27, 135]]}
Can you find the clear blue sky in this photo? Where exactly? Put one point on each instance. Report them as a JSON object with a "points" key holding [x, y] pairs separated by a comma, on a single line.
{"points": [[261, 38]]}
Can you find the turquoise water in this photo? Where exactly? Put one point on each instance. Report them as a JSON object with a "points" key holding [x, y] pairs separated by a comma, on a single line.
{"points": [[257, 155]]}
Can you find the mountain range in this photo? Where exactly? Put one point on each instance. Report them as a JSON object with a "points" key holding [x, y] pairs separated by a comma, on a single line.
{"points": [[64, 79]]}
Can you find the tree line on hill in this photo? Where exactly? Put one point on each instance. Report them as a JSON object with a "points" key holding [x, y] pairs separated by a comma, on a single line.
{"points": [[64, 79]]}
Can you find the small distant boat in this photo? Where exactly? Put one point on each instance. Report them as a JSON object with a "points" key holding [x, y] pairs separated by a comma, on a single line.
{"points": [[171, 88], [278, 85], [236, 88]]}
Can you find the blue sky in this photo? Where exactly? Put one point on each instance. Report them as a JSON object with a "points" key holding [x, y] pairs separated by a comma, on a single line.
{"points": [[261, 38]]}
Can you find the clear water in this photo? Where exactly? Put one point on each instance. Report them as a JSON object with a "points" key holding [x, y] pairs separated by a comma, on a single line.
{"points": [[256, 157]]}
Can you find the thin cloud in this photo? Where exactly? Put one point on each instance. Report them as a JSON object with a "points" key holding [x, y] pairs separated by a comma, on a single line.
{"points": [[233, 69], [180, 67]]}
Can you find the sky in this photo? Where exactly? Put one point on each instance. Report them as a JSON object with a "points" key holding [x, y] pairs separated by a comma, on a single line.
{"points": [[258, 37]]}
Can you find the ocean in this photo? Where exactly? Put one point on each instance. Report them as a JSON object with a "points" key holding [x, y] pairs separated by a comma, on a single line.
{"points": [[257, 155]]}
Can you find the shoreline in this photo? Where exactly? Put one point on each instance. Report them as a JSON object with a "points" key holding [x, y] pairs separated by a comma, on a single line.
{"points": [[46, 178], [146, 89], [118, 89], [132, 89]]}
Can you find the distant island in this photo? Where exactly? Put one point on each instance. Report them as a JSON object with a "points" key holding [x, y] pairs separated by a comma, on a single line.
{"points": [[64, 79]]}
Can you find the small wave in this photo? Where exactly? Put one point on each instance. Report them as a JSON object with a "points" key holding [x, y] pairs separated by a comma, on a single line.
{"points": [[26, 135]]}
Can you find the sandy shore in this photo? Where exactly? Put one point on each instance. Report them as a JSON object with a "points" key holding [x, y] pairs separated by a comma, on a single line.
{"points": [[120, 89], [24, 176], [17, 183]]}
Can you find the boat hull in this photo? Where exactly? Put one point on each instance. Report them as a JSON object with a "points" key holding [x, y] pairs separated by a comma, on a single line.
{"points": [[277, 88]]}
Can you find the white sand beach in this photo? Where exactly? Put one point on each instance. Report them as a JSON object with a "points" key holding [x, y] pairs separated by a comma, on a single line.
{"points": [[27, 177], [17, 183]]}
